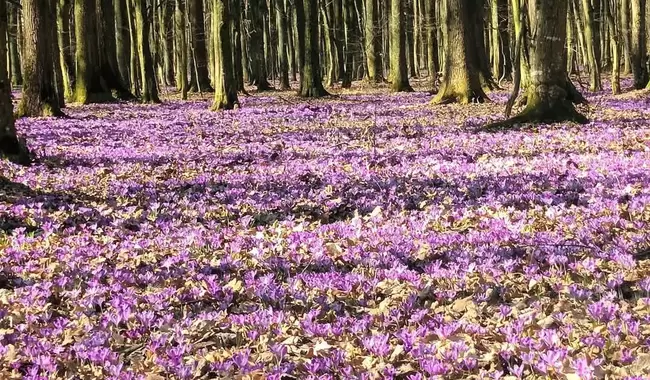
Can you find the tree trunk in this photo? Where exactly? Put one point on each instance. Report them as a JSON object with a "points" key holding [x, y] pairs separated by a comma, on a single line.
{"points": [[10, 146], [199, 50], [65, 51], [550, 93], [398, 64], [180, 38], [259, 76], [311, 85], [462, 76], [373, 42], [591, 42], [168, 42], [432, 43], [330, 44], [109, 65], [637, 46], [236, 37], [88, 86], [149, 88], [351, 40], [122, 42], [281, 20], [39, 89], [225, 90], [614, 35], [408, 19], [16, 67], [293, 64]]}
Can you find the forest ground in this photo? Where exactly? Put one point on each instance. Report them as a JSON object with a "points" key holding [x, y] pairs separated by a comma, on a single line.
{"points": [[368, 233]]}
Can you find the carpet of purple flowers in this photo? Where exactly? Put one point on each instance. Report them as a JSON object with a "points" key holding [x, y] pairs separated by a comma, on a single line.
{"points": [[365, 236]]}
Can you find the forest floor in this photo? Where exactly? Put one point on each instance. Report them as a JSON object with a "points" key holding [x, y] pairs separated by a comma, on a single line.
{"points": [[359, 236]]}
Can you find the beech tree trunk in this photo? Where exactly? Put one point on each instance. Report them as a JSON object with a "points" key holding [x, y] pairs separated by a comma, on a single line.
{"points": [[373, 42], [550, 94], [16, 67], [122, 42], [462, 69], [39, 90], [180, 39], [259, 76], [199, 49], [168, 42], [149, 88], [311, 85], [637, 44], [108, 54], [225, 90], [398, 63], [591, 42], [281, 20], [10, 146]]}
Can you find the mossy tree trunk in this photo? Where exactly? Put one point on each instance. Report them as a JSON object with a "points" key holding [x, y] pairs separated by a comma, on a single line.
{"points": [[236, 37], [109, 65], [637, 44], [311, 85], [122, 42], [168, 42], [351, 41], [225, 89], [624, 10], [39, 89], [88, 86], [462, 70], [587, 12], [180, 39], [10, 146], [149, 87], [551, 94], [432, 42], [615, 44], [281, 20], [63, 8], [373, 41], [259, 76], [330, 44], [198, 45], [16, 67], [398, 63]]}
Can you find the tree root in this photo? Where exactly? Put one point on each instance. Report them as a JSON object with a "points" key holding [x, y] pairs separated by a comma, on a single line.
{"points": [[538, 115], [15, 150]]}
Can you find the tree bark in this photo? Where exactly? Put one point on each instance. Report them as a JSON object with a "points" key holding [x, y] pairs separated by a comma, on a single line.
{"points": [[225, 91], [180, 38], [281, 20], [373, 42], [259, 76], [122, 42], [16, 67], [168, 42], [550, 93], [311, 85], [351, 41], [39, 90], [11, 146], [149, 87], [591, 42], [637, 46], [109, 65], [398, 63], [199, 49], [462, 73], [616, 51]]}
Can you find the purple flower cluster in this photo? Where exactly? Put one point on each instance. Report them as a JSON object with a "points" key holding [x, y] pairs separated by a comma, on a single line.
{"points": [[367, 236]]}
